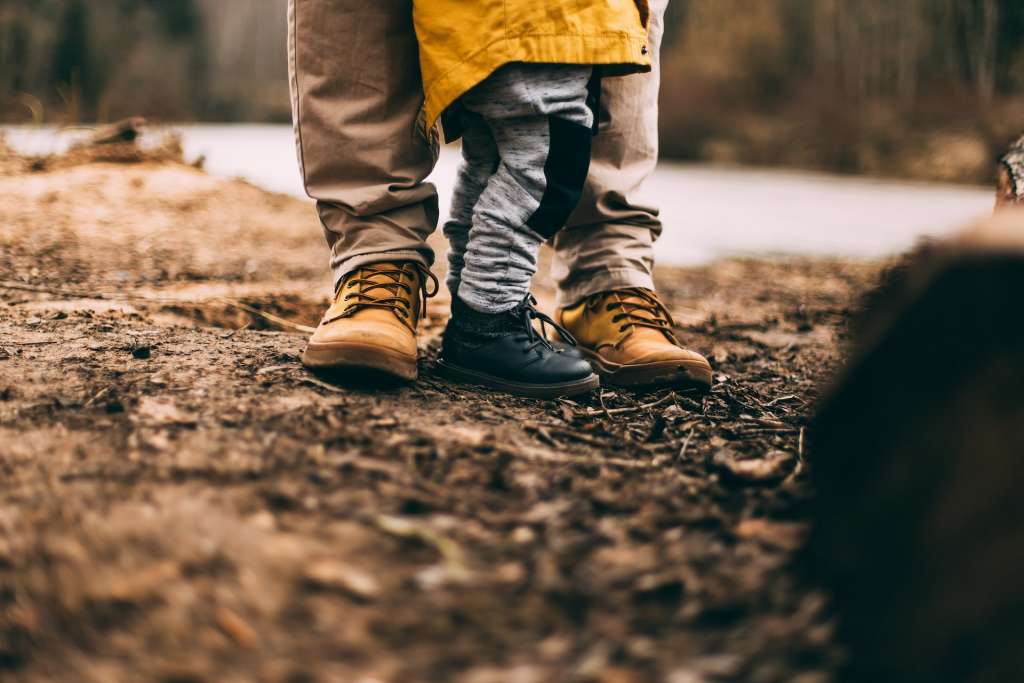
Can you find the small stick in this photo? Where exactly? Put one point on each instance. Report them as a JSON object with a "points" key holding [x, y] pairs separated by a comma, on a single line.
{"points": [[772, 402], [686, 443], [600, 399], [630, 409], [322, 385], [269, 316]]}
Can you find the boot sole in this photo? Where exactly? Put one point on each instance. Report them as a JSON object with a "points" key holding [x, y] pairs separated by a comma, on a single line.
{"points": [[557, 390], [681, 374], [341, 355]]}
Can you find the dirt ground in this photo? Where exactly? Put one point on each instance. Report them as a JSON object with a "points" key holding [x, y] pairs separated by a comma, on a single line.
{"points": [[181, 502]]}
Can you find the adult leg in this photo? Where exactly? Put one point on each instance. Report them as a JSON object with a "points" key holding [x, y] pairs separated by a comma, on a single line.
{"points": [[608, 242], [356, 98], [605, 256]]}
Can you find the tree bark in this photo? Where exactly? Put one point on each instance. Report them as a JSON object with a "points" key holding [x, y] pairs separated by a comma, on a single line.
{"points": [[1010, 188]]}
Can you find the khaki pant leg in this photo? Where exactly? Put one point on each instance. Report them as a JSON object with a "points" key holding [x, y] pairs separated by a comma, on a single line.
{"points": [[608, 243], [356, 97]]}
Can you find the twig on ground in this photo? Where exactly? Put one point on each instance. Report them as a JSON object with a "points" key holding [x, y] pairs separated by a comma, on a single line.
{"points": [[686, 443], [600, 399], [572, 434], [780, 399], [450, 551], [591, 412], [298, 327], [322, 385]]}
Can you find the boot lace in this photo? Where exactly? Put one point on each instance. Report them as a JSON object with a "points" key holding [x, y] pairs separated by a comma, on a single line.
{"points": [[398, 294], [629, 306], [538, 341]]}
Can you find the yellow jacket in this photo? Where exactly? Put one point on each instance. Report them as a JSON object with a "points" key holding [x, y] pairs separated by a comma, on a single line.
{"points": [[463, 41]]}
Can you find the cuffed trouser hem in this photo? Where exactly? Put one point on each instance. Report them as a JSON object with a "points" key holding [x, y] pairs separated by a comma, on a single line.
{"points": [[602, 281], [343, 268]]}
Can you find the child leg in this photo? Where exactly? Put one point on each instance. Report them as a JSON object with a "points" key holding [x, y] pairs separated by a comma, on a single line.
{"points": [[541, 123], [538, 120], [479, 162]]}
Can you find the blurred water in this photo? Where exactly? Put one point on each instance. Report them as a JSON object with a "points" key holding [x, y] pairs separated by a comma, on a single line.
{"points": [[708, 212]]}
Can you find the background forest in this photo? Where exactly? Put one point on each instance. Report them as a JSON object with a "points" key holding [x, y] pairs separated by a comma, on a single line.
{"points": [[920, 88]]}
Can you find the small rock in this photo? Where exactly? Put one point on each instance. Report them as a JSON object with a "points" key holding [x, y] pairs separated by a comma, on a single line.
{"points": [[141, 352], [772, 467], [523, 535], [334, 575]]}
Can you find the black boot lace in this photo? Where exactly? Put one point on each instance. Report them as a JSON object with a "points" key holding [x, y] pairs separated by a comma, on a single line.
{"points": [[538, 341]]}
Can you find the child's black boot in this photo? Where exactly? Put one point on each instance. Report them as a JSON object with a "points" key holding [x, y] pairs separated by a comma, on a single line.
{"points": [[504, 351]]}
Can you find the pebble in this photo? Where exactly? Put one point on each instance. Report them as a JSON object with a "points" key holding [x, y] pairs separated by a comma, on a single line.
{"points": [[523, 535]]}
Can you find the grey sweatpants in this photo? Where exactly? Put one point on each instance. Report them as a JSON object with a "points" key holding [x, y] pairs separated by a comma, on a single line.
{"points": [[526, 152]]}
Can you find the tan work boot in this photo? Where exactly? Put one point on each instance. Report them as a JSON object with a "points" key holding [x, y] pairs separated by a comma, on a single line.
{"points": [[372, 323], [627, 337]]}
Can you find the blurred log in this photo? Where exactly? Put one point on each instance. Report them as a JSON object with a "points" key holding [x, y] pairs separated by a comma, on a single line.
{"points": [[127, 130], [1010, 188], [918, 456]]}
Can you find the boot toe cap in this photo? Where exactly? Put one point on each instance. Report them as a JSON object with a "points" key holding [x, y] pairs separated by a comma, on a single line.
{"points": [[390, 337], [566, 368]]}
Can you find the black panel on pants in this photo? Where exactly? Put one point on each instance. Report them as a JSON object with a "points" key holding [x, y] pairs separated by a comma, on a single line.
{"points": [[565, 173]]}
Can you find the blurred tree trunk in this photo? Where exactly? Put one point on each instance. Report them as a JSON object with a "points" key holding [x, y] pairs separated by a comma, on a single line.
{"points": [[976, 23]]}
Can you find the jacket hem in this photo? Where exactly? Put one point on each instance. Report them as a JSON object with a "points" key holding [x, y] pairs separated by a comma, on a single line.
{"points": [[629, 52]]}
